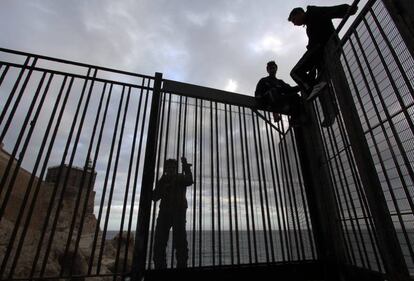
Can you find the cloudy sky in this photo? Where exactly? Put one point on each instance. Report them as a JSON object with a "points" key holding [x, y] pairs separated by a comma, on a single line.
{"points": [[223, 44]]}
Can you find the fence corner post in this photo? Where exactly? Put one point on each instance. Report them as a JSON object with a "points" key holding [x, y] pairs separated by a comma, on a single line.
{"points": [[144, 210]]}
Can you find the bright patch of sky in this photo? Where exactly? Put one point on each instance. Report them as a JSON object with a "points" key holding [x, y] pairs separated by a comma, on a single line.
{"points": [[269, 43], [231, 86]]}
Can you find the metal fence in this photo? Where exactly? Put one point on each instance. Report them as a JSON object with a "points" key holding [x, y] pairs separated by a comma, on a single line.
{"points": [[74, 138], [84, 146], [379, 69]]}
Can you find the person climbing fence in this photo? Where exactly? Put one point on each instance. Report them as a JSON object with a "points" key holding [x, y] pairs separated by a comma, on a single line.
{"points": [[308, 73], [319, 29]]}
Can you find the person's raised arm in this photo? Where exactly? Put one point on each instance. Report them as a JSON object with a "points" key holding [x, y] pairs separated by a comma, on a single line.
{"points": [[336, 12], [187, 174]]}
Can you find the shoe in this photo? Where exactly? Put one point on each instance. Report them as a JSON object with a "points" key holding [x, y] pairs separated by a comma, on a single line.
{"points": [[315, 91]]}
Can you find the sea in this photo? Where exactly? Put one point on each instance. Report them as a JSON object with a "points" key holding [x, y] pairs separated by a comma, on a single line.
{"points": [[243, 247]]}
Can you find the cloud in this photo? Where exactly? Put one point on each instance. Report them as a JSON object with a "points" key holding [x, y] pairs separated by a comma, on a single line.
{"points": [[219, 44], [269, 42]]}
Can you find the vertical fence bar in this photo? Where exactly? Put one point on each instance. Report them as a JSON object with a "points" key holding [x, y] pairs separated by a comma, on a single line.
{"points": [[218, 186], [277, 193], [286, 193], [195, 180], [160, 138], [3, 75], [289, 193], [243, 147], [144, 212], [233, 164], [266, 199], [229, 184], [261, 181], [200, 195], [297, 229], [213, 229]]}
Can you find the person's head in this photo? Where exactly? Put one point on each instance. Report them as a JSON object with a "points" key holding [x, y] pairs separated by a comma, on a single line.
{"points": [[297, 16], [170, 166], [271, 68]]}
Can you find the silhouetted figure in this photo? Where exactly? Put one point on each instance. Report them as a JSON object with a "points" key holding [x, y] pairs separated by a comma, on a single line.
{"points": [[319, 28], [276, 95], [171, 189]]}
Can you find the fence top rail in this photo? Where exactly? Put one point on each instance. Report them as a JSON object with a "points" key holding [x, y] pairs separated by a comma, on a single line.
{"points": [[170, 86], [15, 52], [210, 94], [68, 74]]}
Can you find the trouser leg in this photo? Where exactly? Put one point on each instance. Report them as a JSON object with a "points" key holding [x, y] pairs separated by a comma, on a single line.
{"points": [[296, 105], [290, 104], [329, 107], [160, 241], [180, 240], [300, 72]]}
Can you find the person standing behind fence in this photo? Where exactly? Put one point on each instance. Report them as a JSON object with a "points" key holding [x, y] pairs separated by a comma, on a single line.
{"points": [[319, 28], [171, 190]]}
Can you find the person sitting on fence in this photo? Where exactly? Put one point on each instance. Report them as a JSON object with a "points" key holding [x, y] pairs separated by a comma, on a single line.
{"points": [[171, 189], [319, 29], [276, 95]]}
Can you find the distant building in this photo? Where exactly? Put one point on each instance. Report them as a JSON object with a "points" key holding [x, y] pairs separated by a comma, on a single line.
{"points": [[76, 175], [78, 180]]}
